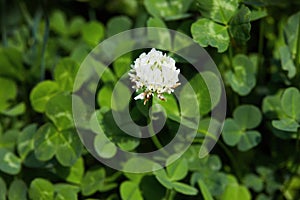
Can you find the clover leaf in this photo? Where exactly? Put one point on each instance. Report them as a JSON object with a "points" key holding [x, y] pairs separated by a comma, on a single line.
{"points": [[236, 131], [168, 10], [175, 172], [242, 78], [65, 145], [222, 21], [290, 106], [130, 190]]}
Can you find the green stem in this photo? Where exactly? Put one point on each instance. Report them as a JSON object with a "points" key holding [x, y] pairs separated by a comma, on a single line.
{"points": [[152, 133], [25, 13], [167, 196], [170, 193], [156, 141]]}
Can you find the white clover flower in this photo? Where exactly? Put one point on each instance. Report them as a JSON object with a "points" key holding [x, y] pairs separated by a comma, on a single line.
{"points": [[154, 73]]}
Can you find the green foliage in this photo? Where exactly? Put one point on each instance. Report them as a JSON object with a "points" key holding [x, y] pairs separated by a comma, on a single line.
{"points": [[236, 130], [222, 21], [242, 78], [256, 48]]}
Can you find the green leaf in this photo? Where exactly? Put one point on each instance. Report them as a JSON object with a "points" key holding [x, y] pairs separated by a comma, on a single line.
{"points": [[286, 124], [248, 140], [213, 84], [207, 88], [215, 182], [11, 64], [45, 142], [58, 22], [59, 111], [130, 191], [163, 178], [17, 190], [242, 79], [236, 192], [65, 73], [169, 10], [115, 134], [177, 170], [92, 181], [104, 147], [206, 32], [76, 25], [287, 62], [26, 141], [290, 102], [122, 64], [184, 188], [272, 105], [247, 116], [8, 92], [16, 110], [231, 132], [204, 190], [254, 182], [258, 14], [66, 192], [104, 96], [2, 189], [240, 26], [41, 94], [170, 105], [162, 37], [10, 163], [41, 189], [156, 22], [93, 33], [218, 10], [8, 139], [66, 145], [73, 174], [118, 24], [292, 34], [143, 164], [69, 148], [120, 97]]}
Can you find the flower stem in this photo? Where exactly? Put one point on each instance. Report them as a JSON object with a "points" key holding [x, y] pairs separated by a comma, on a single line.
{"points": [[170, 193], [154, 138]]}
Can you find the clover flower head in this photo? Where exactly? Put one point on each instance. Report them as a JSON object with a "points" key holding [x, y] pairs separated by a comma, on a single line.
{"points": [[154, 73]]}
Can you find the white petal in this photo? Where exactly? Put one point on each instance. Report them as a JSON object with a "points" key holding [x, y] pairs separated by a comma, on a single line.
{"points": [[140, 96]]}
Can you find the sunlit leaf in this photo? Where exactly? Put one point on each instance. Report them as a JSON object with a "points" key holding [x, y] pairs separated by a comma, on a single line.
{"points": [[41, 189], [130, 191], [216, 35], [218, 10], [41, 94], [10, 163]]}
